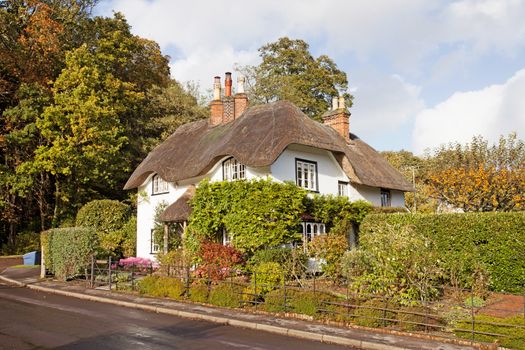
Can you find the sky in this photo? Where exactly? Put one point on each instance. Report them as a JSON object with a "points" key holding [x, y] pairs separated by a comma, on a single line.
{"points": [[423, 72]]}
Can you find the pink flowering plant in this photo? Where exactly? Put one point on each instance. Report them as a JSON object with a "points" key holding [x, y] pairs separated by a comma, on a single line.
{"points": [[138, 263]]}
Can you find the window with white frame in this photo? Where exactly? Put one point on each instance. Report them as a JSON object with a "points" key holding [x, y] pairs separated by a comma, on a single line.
{"points": [[306, 174], [233, 170], [309, 230], [342, 189], [159, 186], [226, 237], [386, 198], [154, 247]]}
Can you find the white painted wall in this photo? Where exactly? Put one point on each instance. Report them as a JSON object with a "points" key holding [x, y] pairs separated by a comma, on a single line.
{"points": [[373, 195], [146, 213], [329, 171]]}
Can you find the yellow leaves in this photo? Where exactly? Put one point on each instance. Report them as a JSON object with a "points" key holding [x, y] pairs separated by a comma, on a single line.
{"points": [[481, 188]]}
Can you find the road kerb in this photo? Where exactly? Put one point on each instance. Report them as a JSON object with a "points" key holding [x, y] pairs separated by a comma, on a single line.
{"points": [[242, 324], [305, 335], [272, 329], [331, 339], [12, 281]]}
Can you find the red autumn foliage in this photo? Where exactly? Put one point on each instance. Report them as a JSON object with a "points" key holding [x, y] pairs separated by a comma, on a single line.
{"points": [[218, 261]]}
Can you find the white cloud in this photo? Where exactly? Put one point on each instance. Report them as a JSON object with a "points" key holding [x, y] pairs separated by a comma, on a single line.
{"points": [[490, 112], [382, 104], [403, 32]]}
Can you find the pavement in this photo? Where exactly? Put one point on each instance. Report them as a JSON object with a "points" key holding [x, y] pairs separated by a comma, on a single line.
{"points": [[357, 337]]}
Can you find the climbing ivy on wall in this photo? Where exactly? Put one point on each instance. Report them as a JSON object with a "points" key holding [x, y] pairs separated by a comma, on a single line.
{"points": [[258, 213], [262, 213]]}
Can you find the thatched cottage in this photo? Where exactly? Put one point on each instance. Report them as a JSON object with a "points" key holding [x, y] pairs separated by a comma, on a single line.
{"points": [[275, 140]]}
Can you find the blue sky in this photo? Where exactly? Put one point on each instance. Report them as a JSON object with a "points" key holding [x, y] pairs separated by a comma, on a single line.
{"points": [[422, 72]]}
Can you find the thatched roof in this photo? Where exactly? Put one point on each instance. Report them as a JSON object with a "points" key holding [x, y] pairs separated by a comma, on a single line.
{"points": [[256, 139], [180, 210]]}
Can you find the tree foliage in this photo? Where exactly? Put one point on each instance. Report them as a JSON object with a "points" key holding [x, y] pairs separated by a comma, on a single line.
{"points": [[479, 176], [289, 71], [82, 101], [476, 176]]}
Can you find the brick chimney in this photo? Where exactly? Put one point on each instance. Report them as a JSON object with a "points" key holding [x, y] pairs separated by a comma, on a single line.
{"points": [[228, 108], [338, 118], [216, 106], [240, 98], [229, 113]]}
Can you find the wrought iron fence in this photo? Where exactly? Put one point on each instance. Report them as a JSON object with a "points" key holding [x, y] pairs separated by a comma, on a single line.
{"points": [[447, 312]]}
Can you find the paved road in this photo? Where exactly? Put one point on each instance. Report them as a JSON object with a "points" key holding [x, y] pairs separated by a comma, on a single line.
{"points": [[33, 320]]}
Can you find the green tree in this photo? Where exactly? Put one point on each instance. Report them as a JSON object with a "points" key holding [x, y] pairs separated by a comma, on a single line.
{"points": [[288, 71], [83, 130]]}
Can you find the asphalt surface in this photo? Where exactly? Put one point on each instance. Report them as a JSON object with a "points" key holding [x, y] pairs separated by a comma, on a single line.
{"points": [[36, 320]]}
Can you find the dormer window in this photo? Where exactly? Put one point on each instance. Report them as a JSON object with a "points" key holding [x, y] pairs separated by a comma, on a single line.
{"points": [[159, 186], [233, 170], [306, 174]]}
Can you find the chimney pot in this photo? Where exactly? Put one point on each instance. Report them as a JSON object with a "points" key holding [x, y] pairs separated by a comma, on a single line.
{"points": [[228, 84], [335, 103], [217, 89], [240, 84], [342, 102]]}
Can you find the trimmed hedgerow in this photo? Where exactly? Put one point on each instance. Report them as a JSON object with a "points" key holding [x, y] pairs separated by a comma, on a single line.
{"points": [[469, 244], [110, 219], [67, 251]]}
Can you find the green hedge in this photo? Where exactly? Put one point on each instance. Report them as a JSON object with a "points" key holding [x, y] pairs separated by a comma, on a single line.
{"points": [[467, 243], [67, 251]]}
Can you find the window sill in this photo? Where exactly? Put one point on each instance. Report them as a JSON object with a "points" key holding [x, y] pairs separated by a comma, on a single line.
{"points": [[160, 193]]}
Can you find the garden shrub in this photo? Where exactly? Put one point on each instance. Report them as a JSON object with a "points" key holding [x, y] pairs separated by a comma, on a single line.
{"points": [[370, 313], [413, 318], [330, 248], [69, 250], [161, 286], [107, 218], [395, 261], [274, 301], [218, 261], [292, 260], [278, 255], [198, 293], [514, 337], [226, 295], [148, 285], [269, 275], [468, 244], [174, 262], [304, 302]]}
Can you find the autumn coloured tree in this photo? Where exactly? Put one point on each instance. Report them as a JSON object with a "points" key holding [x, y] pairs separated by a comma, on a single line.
{"points": [[479, 176]]}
